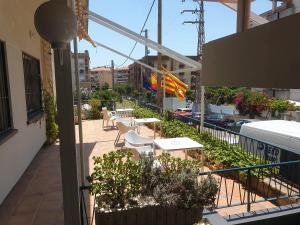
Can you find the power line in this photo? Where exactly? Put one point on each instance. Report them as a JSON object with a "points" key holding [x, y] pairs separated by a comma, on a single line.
{"points": [[148, 15]]}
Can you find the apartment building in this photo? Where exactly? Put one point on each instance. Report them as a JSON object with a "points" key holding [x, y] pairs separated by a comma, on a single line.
{"points": [[83, 69], [121, 75], [100, 76]]}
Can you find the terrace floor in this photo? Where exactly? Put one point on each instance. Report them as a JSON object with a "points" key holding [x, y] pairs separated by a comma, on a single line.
{"points": [[37, 197]]}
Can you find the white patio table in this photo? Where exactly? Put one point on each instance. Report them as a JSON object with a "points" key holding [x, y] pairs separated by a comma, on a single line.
{"points": [[180, 143], [142, 121]]}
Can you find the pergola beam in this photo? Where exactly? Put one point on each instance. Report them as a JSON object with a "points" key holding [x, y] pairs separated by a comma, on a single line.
{"points": [[139, 38], [254, 18], [140, 62]]}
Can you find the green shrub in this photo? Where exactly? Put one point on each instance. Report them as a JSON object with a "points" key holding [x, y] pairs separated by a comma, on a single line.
{"points": [[116, 179], [51, 115], [251, 103], [281, 106], [221, 95], [216, 151], [94, 113], [173, 183]]}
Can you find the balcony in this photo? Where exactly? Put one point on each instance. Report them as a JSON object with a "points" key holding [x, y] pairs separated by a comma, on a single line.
{"points": [[37, 197]]}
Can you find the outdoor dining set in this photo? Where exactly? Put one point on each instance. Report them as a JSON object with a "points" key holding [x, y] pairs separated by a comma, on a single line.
{"points": [[130, 128]]}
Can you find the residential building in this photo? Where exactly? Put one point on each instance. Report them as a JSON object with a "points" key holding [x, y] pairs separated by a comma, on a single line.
{"points": [[100, 76], [25, 74], [286, 8], [169, 63], [103, 74], [83, 69], [121, 75]]}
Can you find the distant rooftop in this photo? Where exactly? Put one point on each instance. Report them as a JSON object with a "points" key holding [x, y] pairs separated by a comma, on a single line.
{"points": [[107, 69]]}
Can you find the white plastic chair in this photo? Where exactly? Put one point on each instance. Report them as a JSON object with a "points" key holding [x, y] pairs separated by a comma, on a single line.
{"points": [[123, 129], [127, 122], [107, 116], [146, 149], [135, 139]]}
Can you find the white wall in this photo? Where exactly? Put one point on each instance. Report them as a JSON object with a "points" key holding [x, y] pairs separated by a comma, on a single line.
{"points": [[223, 109], [18, 33], [173, 103], [295, 95]]}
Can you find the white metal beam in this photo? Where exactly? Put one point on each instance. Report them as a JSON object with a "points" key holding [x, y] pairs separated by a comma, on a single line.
{"points": [[137, 37], [254, 18], [141, 63]]}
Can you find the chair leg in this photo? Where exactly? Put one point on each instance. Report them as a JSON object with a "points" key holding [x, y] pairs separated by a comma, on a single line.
{"points": [[117, 138]]}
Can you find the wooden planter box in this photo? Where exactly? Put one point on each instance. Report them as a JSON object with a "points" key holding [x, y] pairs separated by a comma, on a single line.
{"points": [[150, 215]]}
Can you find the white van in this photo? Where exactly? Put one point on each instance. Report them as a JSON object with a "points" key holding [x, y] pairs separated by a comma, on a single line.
{"points": [[278, 141], [281, 133]]}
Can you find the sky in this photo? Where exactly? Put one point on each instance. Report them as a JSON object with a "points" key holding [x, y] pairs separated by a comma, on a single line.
{"points": [[220, 21]]}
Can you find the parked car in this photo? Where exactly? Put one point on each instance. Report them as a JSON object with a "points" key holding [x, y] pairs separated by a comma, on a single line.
{"points": [[183, 112], [236, 126], [219, 120]]}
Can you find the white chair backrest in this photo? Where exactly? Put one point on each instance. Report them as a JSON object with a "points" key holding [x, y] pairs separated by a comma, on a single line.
{"points": [[123, 128], [127, 122], [135, 139], [105, 113]]}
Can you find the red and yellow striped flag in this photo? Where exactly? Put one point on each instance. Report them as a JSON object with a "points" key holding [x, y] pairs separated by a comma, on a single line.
{"points": [[170, 83]]}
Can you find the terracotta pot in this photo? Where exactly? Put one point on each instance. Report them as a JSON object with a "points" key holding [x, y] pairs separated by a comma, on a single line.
{"points": [[150, 215]]}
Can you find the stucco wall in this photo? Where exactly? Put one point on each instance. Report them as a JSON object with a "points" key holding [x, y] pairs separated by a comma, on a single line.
{"points": [[18, 33]]}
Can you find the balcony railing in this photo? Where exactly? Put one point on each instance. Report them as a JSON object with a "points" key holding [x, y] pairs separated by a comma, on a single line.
{"points": [[275, 178], [256, 184]]}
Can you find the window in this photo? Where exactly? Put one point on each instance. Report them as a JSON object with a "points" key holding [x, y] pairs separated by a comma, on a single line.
{"points": [[33, 91], [181, 66], [5, 113]]}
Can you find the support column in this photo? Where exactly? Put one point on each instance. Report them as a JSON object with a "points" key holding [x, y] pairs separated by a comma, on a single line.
{"points": [[243, 15], [159, 93], [68, 157]]}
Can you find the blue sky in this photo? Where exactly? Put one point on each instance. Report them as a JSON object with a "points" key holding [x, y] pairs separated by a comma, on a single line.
{"points": [[219, 22]]}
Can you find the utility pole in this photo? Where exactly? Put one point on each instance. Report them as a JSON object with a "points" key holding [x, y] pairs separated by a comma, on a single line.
{"points": [[143, 69], [159, 94], [201, 40], [113, 74], [146, 47]]}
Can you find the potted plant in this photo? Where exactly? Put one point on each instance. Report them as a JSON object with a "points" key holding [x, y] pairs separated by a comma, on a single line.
{"points": [[161, 191]]}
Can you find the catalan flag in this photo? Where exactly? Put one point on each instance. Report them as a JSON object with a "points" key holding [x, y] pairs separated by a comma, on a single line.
{"points": [[170, 83]]}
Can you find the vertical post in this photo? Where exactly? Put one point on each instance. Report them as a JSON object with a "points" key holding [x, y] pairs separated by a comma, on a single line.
{"points": [[243, 15], [113, 74], [202, 108], [274, 5], [146, 58], [68, 157], [159, 56], [248, 193], [78, 95], [141, 83], [146, 47]]}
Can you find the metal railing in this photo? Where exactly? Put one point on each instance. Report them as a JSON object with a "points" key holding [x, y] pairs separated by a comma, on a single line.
{"points": [[264, 154], [110, 104], [260, 151], [256, 184]]}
